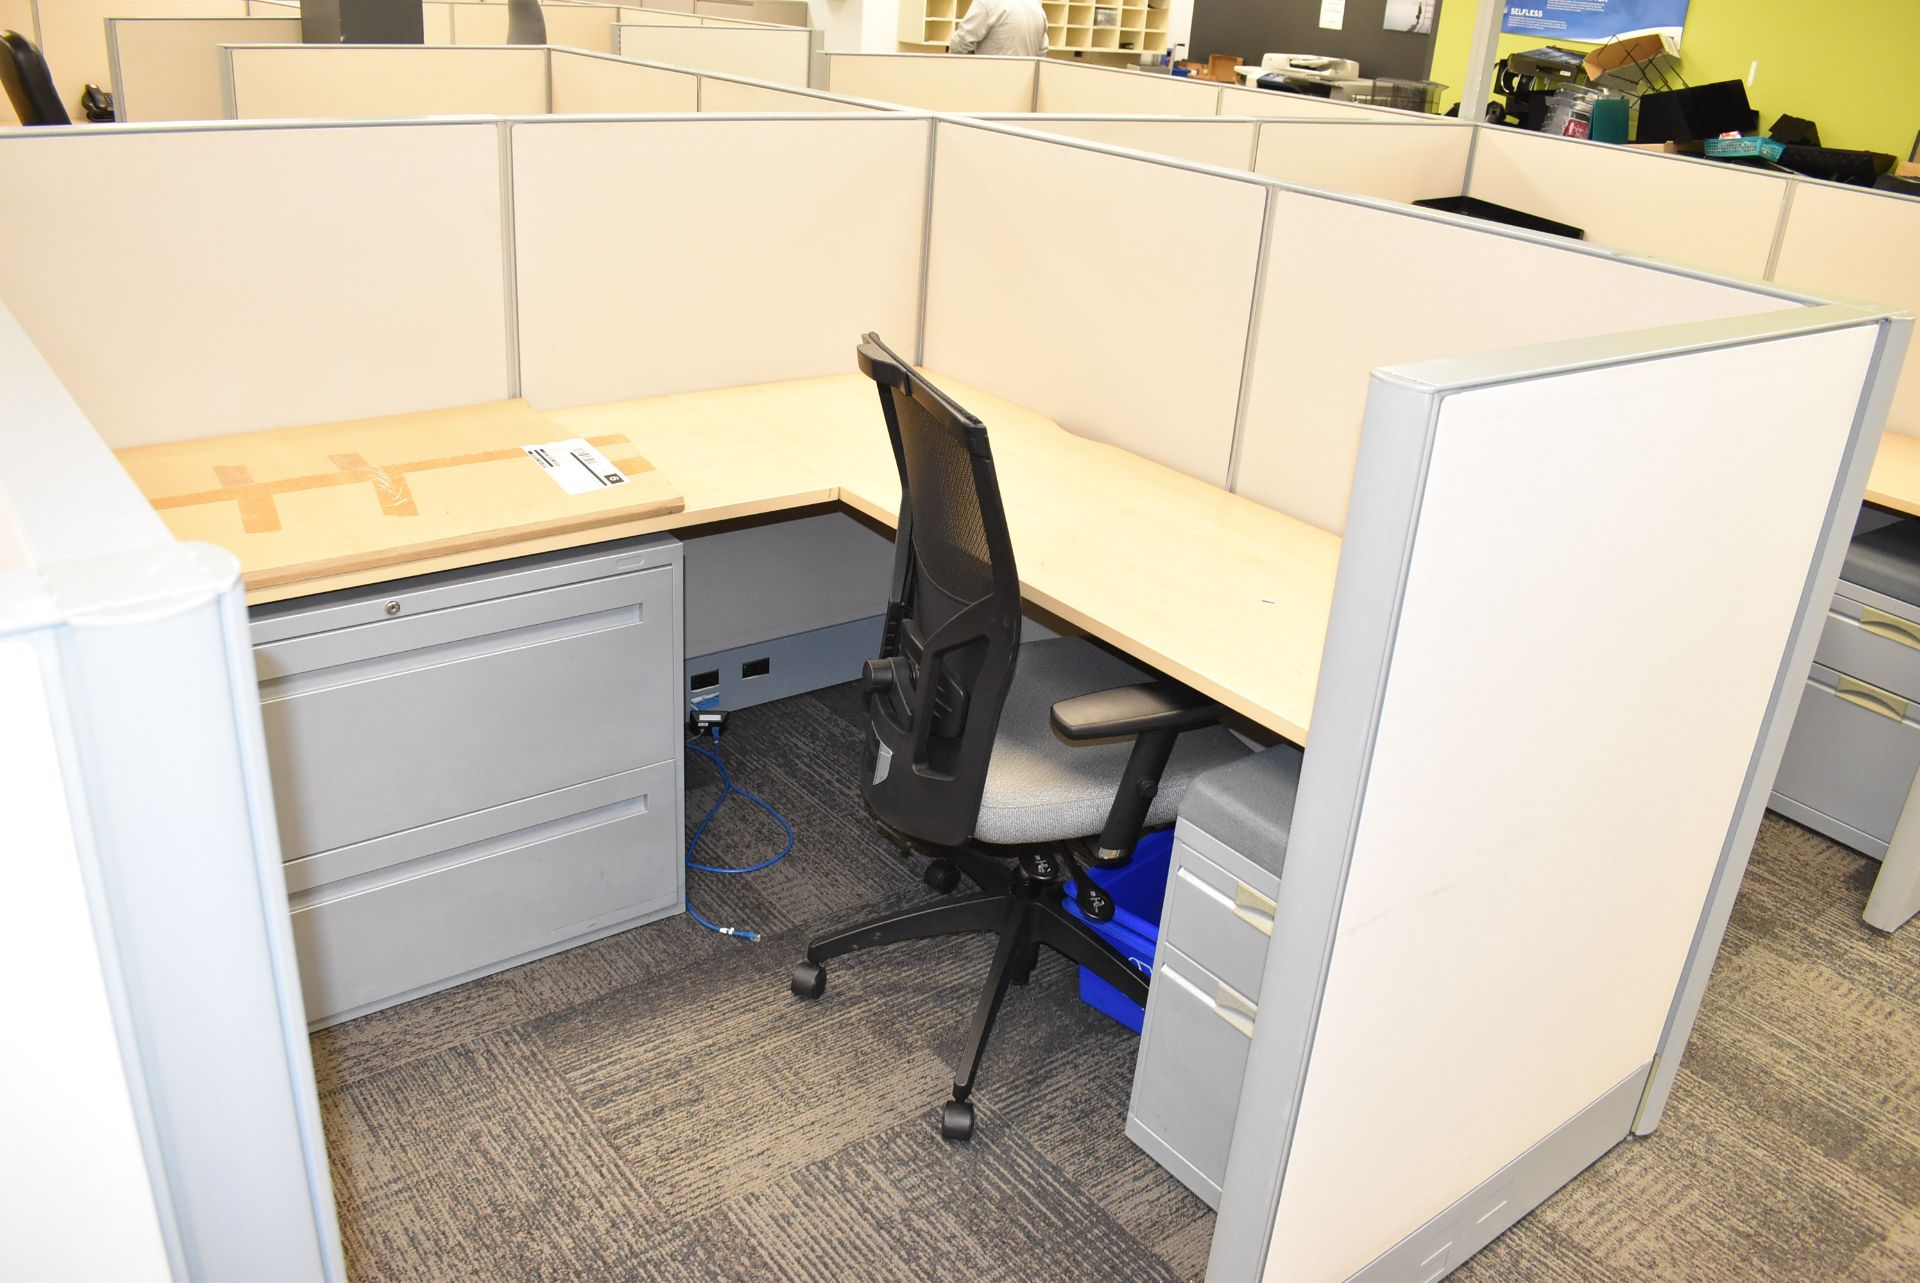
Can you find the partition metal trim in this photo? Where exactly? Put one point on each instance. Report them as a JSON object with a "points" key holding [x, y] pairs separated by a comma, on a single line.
{"points": [[509, 257], [1268, 216], [926, 245], [1780, 230]]}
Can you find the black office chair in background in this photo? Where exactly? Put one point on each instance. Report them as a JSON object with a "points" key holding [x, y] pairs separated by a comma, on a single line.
{"points": [[23, 70], [977, 738]]}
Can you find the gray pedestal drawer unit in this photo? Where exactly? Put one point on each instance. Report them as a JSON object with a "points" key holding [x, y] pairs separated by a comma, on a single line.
{"points": [[474, 768], [1229, 846], [1855, 745]]}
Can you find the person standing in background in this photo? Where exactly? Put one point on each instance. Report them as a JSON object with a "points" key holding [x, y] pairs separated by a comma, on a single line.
{"points": [[1014, 27]]}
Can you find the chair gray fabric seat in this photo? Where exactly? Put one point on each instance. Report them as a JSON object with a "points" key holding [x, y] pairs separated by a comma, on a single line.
{"points": [[1042, 788]]}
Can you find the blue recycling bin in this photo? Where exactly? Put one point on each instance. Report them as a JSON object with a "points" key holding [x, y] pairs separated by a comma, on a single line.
{"points": [[1138, 888]]}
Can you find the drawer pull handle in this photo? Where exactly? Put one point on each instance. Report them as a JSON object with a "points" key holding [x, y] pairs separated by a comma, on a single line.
{"points": [[1253, 908], [1891, 627], [1225, 1002], [1234, 1008], [1871, 698]]}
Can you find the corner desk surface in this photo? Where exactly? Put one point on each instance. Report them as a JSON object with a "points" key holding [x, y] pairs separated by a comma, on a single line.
{"points": [[1895, 479], [1218, 591]]}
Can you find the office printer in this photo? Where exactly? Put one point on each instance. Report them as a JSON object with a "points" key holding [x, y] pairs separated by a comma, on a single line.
{"points": [[1311, 65], [1301, 73]]}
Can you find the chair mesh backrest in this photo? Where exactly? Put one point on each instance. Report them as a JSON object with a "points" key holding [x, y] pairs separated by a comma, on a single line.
{"points": [[953, 620], [949, 532]]}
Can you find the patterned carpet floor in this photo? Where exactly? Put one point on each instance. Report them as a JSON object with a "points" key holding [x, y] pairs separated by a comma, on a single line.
{"points": [[655, 1106]]}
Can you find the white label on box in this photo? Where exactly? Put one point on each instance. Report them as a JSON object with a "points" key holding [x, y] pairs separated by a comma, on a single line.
{"points": [[575, 466]]}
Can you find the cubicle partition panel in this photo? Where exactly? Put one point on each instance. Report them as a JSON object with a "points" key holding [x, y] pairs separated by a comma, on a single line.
{"points": [[169, 68], [783, 13], [1239, 101], [1352, 285], [274, 276], [1067, 88], [1204, 140], [383, 82], [583, 26], [935, 82], [602, 84], [734, 94], [1041, 288], [649, 258], [73, 36], [1697, 213], [1511, 817], [1846, 242], [1390, 161], [780, 55]]}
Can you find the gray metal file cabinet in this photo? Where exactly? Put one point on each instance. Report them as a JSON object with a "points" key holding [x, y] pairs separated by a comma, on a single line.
{"points": [[474, 768], [1229, 846], [1850, 764]]}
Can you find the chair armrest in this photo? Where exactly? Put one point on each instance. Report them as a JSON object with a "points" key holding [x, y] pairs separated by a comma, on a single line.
{"points": [[1134, 710]]}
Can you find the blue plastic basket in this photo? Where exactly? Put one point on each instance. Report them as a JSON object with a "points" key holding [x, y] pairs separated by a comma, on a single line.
{"points": [[1138, 887]]}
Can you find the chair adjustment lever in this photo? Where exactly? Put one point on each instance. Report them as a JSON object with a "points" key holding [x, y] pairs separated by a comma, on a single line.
{"points": [[1088, 894]]}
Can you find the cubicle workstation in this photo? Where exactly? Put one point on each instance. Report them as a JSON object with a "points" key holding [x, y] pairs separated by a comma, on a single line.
{"points": [[303, 82], [779, 55], [1324, 546]]}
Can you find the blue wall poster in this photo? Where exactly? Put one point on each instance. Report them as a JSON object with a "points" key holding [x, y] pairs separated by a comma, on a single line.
{"points": [[1594, 21]]}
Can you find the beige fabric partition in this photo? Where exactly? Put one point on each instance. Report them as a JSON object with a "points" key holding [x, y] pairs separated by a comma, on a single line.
{"points": [[590, 84], [272, 276], [1846, 242], [1041, 288], [1351, 288], [784, 13], [306, 82], [780, 55], [668, 256], [1392, 161], [1238, 101], [935, 82], [1071, 89], [1227, 143], [73, 36], [437, 22], [1702, 214], [170, 68], [719, 94]]}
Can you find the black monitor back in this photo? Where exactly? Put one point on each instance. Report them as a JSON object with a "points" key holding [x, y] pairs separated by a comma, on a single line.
{"points": [[953, 617]]}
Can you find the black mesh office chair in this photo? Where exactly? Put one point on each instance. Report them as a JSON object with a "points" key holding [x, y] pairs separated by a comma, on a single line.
{"points": [[28, 82], [980, 739]]}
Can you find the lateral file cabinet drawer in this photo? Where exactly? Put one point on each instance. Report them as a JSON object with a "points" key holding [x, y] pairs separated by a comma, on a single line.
{"points": [[369, 938], [1852, 754], [1223, 923], [1193, 1056], [1873, 645], [384, 727]]}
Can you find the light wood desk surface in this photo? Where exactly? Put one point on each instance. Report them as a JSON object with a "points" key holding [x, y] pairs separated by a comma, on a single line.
{"points": [[299, 504], [1895, 479], [1215, 590]]}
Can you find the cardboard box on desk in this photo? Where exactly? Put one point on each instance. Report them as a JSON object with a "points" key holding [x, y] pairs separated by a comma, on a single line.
{"points": [[1629, 65]]}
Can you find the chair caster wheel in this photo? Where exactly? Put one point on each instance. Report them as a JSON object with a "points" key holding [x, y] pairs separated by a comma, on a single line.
{"points": [[809, 980], [942, 875], [956, 1120]]}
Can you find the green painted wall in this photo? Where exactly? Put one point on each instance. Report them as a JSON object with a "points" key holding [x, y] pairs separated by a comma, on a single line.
{"points": [[1848, 64]]}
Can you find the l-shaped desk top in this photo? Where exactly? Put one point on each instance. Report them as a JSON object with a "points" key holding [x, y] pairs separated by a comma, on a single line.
{"points": [[1218, 591]]}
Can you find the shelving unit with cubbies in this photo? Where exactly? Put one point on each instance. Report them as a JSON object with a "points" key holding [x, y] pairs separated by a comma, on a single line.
{"points": [[1128, 27]]}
